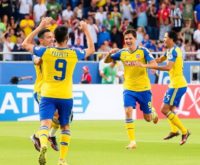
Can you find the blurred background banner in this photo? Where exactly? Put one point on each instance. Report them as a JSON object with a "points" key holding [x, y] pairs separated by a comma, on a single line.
{"points": [[91, 102], [10, 69]]}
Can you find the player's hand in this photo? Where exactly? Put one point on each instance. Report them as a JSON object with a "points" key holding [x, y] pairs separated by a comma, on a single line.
{"points": [[114, 50], [83, 26], [139, 64], [46, 21]]}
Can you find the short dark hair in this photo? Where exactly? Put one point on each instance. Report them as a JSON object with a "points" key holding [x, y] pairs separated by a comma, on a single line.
{"points": [[42, 32], [172, 35], [130, 31], [61, 33]]}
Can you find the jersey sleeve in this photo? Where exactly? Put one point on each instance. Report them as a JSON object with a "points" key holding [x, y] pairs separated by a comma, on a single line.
{"points": [[173, 56], [39, 51], [80, 54], [116, 56], [147, 54]]}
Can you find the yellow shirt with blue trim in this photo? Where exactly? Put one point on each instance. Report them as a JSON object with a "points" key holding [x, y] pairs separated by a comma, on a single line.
{"points": [[38, 80], [58, 66], [177, 79], [135, 78]]}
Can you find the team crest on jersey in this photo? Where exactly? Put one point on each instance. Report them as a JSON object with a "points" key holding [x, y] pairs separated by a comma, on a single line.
{"points": [[137, 56], [170, 56]]}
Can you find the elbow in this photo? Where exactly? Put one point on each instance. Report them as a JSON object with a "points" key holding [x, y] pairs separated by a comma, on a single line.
{"points": [[24, 45]]}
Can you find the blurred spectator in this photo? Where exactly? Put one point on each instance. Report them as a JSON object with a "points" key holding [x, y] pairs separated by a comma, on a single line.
{"points": [[13, 37], [27, 24], [188, 11], [142, 16], [5, 20], [117, 37], [152, 28], [67, 13], [13, 24], [39, 11], [109, 73], [78, 11], [5, 8], [86, 76], [176, 17], [93, 29], [2, 29], [197, 13], [109, 21], [126, 10], [187, 31], [104, 35], [100, 15], [25, 8], [53, 9], [116, 16], [140, 35], [18, 48], [164, 22], [196, 36], [16, 79], [79, 37], [124, 25], [7, 48]]}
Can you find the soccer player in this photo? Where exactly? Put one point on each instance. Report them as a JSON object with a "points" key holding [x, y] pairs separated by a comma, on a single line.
{"points": [[136, 82], [177, 86], [56, 93], [46, 38]]}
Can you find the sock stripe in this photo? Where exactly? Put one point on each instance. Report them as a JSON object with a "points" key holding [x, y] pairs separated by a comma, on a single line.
{"points": [[129, 120], [44, 128], [43, 135], [67, 132], [64, 143]]}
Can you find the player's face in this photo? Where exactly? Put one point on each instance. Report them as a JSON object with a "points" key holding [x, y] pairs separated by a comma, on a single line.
{"points": [[48, 39], [129, 40], [166, 40]]}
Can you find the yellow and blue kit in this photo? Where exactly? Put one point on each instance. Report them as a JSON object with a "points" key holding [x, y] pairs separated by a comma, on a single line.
{"points": [[136, 81], [58, 65], [178, 83]]}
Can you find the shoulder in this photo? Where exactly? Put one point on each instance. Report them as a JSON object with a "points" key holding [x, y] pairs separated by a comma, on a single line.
{"points": [[145, 50]]}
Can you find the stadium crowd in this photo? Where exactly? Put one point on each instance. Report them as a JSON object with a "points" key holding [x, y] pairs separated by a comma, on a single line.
{"points": [[107, 20]]}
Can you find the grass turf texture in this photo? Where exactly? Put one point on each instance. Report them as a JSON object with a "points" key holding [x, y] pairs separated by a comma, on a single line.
{"points": [[103, 143]]}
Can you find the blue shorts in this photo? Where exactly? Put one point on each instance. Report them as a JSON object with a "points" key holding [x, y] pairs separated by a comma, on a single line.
{"points": [[173, 96], [143, 98], [48, 106], [37, 97]]}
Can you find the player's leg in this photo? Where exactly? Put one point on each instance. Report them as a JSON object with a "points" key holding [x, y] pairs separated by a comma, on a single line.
{"points": [[64, 110], [129, 104], [52, 133], [46, 110], [34, 137], [174, 130], [145, 101], [172, 98]]}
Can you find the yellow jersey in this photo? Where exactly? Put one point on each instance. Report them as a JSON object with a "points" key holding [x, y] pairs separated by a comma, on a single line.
{"points": [[135, 78], [38, 80], [57, 70], [177, 79]]}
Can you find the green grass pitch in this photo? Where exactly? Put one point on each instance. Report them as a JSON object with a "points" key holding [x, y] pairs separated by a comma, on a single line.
{"points": [[103, 143]]}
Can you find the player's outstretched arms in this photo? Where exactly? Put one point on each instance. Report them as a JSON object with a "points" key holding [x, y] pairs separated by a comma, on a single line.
{"points": [[27, 43], [91, 49]]}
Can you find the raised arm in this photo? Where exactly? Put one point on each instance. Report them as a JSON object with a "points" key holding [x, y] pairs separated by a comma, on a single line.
{"points": [[91, 49], [27, 43]]}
